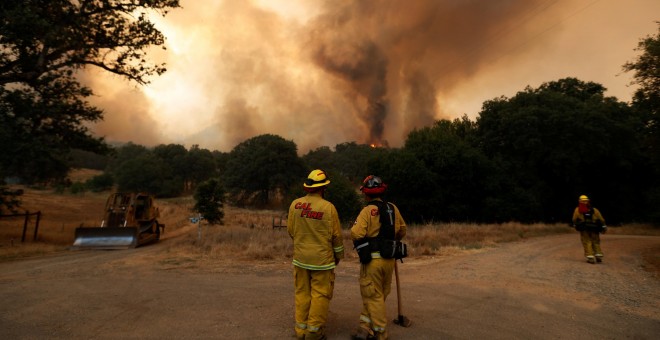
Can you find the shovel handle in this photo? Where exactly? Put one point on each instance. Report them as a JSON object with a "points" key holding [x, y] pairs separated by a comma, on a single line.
{"points": [[401, 320], [398, 290]]}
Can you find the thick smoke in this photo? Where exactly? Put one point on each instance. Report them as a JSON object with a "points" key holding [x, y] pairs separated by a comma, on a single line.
{"points": [[363, 67], [399, 55], [322, 73], [126, 115]]}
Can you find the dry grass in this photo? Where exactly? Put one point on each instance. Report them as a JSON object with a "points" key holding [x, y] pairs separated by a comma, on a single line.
{"points": [[246, 235], [439, 239], [249, 236], [60, 215], [432, 238], [634, 229]]}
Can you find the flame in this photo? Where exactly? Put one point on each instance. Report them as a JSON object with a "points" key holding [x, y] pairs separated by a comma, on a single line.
{"points": [[379, 144]]}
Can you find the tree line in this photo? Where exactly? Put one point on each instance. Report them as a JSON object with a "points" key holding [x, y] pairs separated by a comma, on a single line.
{"points": [[262, 172], [526, 158]]}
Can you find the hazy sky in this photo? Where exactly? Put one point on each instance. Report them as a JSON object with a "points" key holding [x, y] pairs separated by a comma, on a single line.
{"points": [[327, 72]]}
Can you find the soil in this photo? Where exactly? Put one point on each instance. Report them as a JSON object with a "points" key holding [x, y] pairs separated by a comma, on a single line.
{"points": [[540, 288]]}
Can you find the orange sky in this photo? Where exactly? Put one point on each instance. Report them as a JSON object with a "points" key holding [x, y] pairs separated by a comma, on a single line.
{"points": [[326, 72]]}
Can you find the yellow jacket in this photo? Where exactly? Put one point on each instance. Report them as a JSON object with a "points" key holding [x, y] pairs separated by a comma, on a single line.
{"points": [[578, 217], [313, 224], [367, 223]]}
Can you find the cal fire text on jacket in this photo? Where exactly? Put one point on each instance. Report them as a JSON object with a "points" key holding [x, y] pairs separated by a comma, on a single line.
{"points": [[307, 211]]}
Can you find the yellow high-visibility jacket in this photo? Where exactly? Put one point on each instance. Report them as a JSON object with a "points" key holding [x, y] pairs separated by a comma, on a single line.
{"points": [[314, 226], [367, 223]]}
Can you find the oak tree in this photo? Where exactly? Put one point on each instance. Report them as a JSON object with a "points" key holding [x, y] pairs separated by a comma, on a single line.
{"points": [[43, 44]]}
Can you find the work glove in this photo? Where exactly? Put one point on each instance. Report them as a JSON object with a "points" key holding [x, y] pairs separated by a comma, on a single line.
{"points": [[604, 229], [336, 261]]}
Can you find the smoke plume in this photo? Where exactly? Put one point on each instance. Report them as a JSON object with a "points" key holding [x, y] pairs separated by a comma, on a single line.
{"points": [[414, 49], [327, 72]]}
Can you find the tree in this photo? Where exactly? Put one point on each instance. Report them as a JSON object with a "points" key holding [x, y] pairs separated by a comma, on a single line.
{"points": [[87, 160], [39, 125], [460, 169], [175, 157], [343, 195], [201, 166], [646, 70], [411, 185], [439, 175], [351, 159], [558, 141], [348, 159], [137, 168], [125, 153], [100, 182], [320, 158], [171, 153], [209, 198], [261, 166], [50, 38], [43, 107], [220, 158], [146, 173]]}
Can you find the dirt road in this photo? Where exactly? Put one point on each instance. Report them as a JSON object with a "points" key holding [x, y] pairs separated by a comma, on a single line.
{"points": [[540, 288]]}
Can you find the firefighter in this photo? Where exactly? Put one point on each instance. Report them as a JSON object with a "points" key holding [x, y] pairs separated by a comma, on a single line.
{"points": [[376, 275], [590, 223], [313, 224]]}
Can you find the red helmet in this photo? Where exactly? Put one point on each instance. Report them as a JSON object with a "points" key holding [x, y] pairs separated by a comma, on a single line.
{"points": [[373, 185]]}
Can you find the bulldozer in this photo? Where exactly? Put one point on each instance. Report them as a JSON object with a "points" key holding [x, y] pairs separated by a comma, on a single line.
{"points": [[129, 221]]}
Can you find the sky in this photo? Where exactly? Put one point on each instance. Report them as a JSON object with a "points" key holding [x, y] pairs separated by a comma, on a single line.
{"points": [[320, 73]]}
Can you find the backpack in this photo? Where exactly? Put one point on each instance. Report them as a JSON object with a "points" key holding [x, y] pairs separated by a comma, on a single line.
{"points": [[589, 224], [385, 242]]}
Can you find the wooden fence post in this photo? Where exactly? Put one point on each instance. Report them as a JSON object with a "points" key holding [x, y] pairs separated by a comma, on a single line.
{"points": [[27, 214], [36, 226]]}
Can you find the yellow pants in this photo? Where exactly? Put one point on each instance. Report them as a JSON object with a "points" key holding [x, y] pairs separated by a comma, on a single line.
{"points": [[313, 292], [375, 286], [591, 243]]}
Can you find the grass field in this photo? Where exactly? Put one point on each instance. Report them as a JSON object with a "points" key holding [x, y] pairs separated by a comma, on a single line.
{"points": [[246, 234]]}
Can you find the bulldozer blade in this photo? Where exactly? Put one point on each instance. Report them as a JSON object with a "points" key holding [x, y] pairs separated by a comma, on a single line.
{"points": [[106, 238], [402, 321]]}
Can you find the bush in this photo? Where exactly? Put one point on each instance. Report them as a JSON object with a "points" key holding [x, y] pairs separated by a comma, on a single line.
{"points": [[100, 183], [78, 188], [209, 201]]}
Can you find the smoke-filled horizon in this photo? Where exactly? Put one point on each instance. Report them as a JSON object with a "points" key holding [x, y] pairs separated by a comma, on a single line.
{"points": [[327, 72]]}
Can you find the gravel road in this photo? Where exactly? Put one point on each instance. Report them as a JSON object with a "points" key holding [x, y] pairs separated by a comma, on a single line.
{"points": [[540, 288]]}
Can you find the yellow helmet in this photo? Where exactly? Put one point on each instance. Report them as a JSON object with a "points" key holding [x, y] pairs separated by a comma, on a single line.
{"points": [[316, 178], [584, 198]]}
